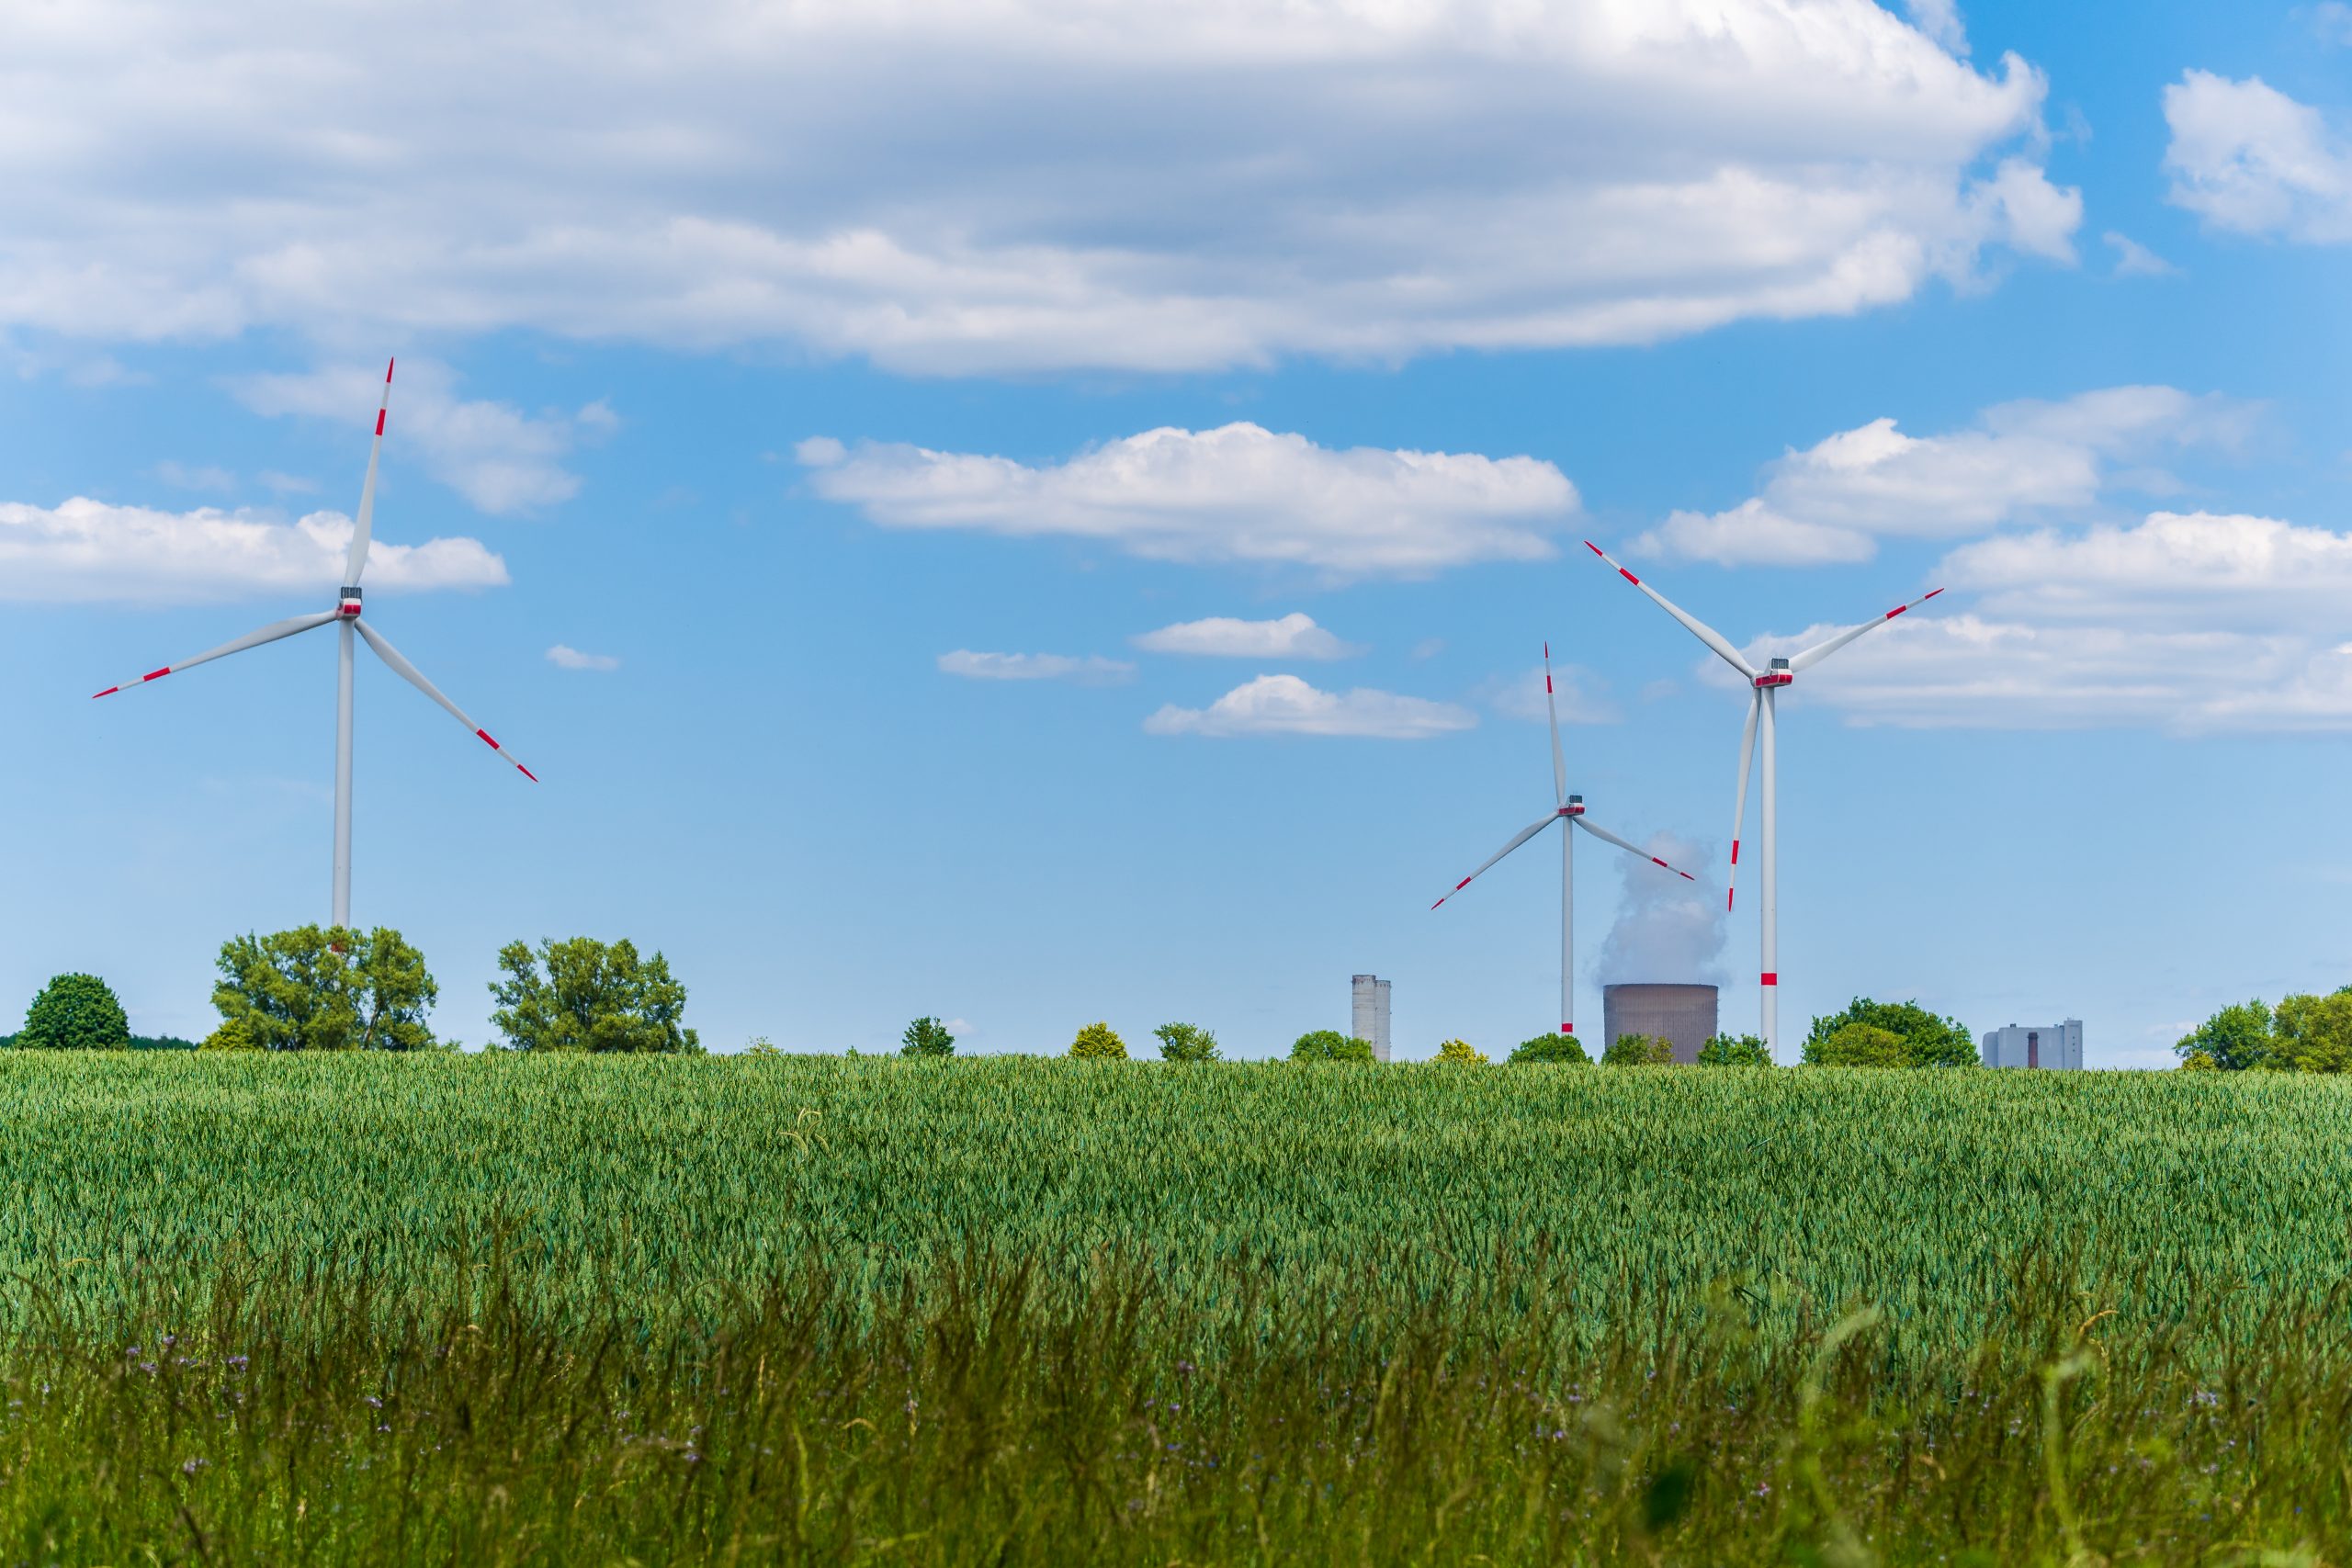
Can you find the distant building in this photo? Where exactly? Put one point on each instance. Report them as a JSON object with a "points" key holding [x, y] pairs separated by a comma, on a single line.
{"points": [[1368, 1018], [2059, 1046], [1684, 1016]]}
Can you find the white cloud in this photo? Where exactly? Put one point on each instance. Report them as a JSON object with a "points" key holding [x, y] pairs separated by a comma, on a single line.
{"points": [[1093, 670], [2244, 156], [1294, 635], [83, 550], [1830, 502], [564, 657], [2183, 622], [500, 458], [288, 484], [1354, 178], [1236, 493], [1583, 696], [1284, 704], [202, 476], [2134, 259], [2331, 23]]}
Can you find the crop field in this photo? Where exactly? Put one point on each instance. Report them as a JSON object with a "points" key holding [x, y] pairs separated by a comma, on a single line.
{"points": [[492, 1309]]}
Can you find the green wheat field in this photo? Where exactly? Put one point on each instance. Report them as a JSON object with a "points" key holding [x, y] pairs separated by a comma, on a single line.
{"points": [[495, 1309]]}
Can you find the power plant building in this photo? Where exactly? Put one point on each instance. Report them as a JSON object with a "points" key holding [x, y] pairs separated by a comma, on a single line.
{"points": [[1684, 1016], [1368, 1015], [2058, 1047]]}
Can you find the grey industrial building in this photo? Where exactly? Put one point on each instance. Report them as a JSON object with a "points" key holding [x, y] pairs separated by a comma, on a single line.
{"points": [[2059, 1046], [1368, 1014], [1684, 1016]]}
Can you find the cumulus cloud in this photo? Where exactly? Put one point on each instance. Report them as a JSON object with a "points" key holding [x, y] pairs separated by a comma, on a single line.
{"points": [[500, 458], [1354, 178], [2183, 622], [1832, 502], [1236, 493], [1093, 670], [1294, 635], [564, 657], [2246, 157], [1284, 704], [88, 550], [2134, 259], [1668, 930]]}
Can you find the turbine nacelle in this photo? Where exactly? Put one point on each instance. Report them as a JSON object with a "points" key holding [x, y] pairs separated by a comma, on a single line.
{"points": [[348, 606], [1575, 806], [1780, 675]]}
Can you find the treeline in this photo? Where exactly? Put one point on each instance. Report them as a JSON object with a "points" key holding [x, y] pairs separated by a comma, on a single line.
{"points": [[2303, 1034], [338, 989], [1867, 1033]]}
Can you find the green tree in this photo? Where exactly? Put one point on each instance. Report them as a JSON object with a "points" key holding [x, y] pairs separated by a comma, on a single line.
{"points": [[1638, 1051], [75, 1013], [1552, 1048], [2314, 1033], [1928, 1041], [927, 1037], [322, 988], [1099, 1043], [585, 994], [1186, 1042], [2237, 1037], [1735, 1051], [1861, 1045], [1461, 1053], [1329, 1046], [2198, 1062]]}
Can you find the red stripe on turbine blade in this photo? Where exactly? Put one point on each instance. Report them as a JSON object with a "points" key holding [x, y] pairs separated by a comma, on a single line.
{"points": [[1548, 680], [1441, 901], [1629, 577], [387, 369], [110, 691], [379, 422], [486, 739], [1596, 550], [1729, 893], [1460, 884], [1929, 595], [156, 674], [1734, 852], [1655, 861], [1683, 875], [1771, 977], [527, 773], [1896, 610]]}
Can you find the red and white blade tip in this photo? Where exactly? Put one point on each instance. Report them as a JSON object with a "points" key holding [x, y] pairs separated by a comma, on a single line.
{"points": [[494, 746], [387, 369]]}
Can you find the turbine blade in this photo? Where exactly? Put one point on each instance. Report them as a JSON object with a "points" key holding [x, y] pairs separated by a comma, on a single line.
{"points": [[1559, 761], [409, 673], [1525, 834], [1606, 837], [356, 561], [269, 633], [1696, 626], [1739, 812], [1822, 651]]}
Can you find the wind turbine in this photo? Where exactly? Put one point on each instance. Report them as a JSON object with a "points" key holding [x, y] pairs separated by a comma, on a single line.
{"points": [[347, 619], [1764, 687], [1567, 810]]}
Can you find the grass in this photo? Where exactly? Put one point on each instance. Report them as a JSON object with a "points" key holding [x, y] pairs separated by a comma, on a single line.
{"points": [[598, 1311]]}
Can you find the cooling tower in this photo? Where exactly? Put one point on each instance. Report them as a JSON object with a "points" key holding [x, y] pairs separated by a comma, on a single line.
{"points": [[1682, 1014]]}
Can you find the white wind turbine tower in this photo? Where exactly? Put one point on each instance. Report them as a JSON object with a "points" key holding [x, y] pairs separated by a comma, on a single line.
{"points": [[1764, 686], [1567, 810], [347, 618]]}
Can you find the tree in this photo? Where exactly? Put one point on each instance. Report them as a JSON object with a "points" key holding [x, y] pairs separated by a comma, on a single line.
{"points": [[927, 1037], [2198, 1062], [1186, 1042], [1462, 1053], [1552, 1048], [1638, 1051], [1861, 1045], [2314, 1033], [322, 988], [1928, 1041], [1099, 1043], [2237, 1037], [589, 996], [1734, 1051], [75, 1013], [1330, 1045]]}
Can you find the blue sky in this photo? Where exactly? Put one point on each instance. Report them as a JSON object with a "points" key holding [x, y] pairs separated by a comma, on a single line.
{"points": [[853, 393]]}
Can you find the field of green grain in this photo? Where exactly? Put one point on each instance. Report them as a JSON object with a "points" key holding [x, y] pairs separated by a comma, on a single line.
{"points": [[664, 1184]]}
